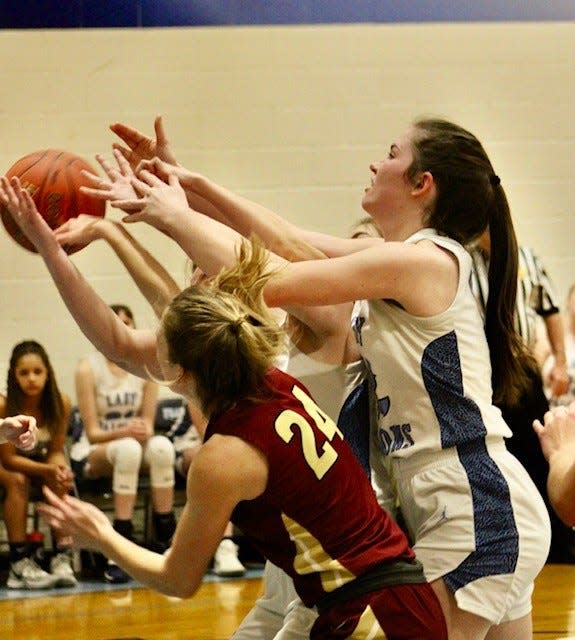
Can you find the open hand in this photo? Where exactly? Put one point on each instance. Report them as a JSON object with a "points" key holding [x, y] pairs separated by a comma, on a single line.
{"points": [[80, 520], [157, 200], [118, 186], [22, 208], [140, 147]]}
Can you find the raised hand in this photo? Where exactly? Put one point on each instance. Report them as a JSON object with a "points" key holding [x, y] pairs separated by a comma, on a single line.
{"points": [[157, 201], [79, 232], [141, 147], [118, 186], [22, 208]]}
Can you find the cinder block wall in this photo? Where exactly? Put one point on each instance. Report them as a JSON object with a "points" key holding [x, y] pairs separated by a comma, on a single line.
{"points": [[289, 116]]}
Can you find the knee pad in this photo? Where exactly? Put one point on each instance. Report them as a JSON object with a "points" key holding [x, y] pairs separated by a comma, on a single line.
{"points": [[160, 456], [125, 455]]}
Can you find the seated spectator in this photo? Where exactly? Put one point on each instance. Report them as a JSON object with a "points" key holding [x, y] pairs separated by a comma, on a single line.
{"points": [[32, 389], [118, 441]]}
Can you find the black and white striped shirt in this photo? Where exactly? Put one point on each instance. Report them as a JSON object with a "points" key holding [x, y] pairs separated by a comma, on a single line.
{"points": [[535, 292]]}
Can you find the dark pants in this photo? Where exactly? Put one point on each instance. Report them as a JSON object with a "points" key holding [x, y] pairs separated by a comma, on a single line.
{"points": [[524, 445]]}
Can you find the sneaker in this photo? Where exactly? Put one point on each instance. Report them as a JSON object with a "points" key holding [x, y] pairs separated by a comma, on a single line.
{"points": [[61, 569], [26, 574], [226, 562], [115, 574]]}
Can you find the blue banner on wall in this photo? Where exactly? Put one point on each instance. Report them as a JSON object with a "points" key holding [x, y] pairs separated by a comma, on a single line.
{"points": [[35, 14]]}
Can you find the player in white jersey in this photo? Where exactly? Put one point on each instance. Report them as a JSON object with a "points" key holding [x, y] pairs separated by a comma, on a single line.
{"points": [[436, 176], [334, 374]]}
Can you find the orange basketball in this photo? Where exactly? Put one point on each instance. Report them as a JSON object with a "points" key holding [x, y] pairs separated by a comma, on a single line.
{"points": [[53, 178]]}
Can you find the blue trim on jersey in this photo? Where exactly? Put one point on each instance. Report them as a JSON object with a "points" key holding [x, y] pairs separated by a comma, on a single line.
{"points": [[459, 417], [461, 426], [496, 535], [353, 421]]}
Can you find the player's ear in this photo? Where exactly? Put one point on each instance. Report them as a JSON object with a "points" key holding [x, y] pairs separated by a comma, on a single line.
{"points": [[423, 184]]}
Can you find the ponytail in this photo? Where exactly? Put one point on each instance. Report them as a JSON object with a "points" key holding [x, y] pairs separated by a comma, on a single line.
{"points": [[509, 357], [470, 198], [223, 333]]}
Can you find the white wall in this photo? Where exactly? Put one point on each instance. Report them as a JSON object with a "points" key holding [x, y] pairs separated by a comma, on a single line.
{"points": [[290, 116]]}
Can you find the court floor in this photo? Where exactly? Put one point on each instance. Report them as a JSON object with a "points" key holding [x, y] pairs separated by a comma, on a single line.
{"points": [[129, 612]]}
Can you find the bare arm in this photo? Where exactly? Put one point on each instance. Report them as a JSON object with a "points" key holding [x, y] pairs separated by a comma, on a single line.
{"points": [[558, 378], [59, 438], [422, 277], [214, 487], [247, 217], [132, 349], [149, 404], [151, 278]]}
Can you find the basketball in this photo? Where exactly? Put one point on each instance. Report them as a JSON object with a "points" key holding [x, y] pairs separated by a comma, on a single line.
{"points": [[53, 178]]}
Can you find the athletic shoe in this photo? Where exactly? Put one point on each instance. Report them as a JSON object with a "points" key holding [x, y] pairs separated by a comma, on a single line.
{"points": [[226, 562], [26, 574], [61, 569], [115, 574]]}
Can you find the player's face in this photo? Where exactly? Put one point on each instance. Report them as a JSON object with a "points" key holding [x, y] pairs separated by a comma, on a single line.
{"points": [[390, 187], [31, 374], [170, 371], [173, 374]]}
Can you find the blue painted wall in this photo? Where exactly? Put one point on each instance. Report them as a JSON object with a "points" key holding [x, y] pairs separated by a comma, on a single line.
{"points": [[36, 14]]}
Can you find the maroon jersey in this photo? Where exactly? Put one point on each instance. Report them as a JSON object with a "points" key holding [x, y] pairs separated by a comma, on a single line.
{"points": [[318, 518]]}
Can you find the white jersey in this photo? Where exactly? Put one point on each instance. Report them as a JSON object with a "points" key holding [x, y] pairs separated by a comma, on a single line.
{"points": [[432, 375], [118, 398]]}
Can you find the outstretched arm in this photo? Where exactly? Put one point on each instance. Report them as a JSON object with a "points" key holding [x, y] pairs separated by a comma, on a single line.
{"points": [[132, 349], [205, 196], [557, 438], [422, 277], [151, 278], [214, 488], [247, 217], [140, 148]]}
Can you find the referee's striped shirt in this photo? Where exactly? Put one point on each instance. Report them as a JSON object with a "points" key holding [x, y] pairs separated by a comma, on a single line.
{"points": [[535, 293]]}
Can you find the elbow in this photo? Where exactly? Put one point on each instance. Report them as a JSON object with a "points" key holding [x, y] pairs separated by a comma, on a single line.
{"points": [[567, 515], [182, 590], [185, 593], [564, 506], [179, 584]]}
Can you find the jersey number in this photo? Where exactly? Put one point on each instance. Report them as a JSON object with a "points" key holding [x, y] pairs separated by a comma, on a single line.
{"points": [[321, 462]]}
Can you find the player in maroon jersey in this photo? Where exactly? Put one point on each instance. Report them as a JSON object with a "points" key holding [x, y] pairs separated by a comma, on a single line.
{"points": [[273, 462]]}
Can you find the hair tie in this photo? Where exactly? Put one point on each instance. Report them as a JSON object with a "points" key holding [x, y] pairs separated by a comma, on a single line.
{"points": [[236, 324], [494, 180]]}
